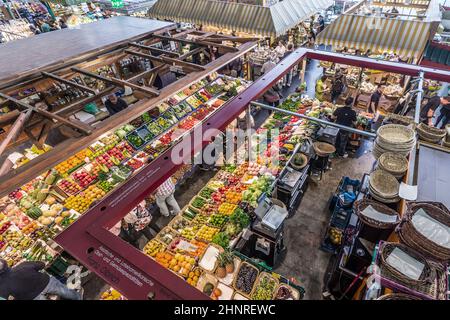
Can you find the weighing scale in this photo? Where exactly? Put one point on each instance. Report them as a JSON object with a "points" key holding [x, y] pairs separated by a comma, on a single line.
{"points": [[265, 240]]}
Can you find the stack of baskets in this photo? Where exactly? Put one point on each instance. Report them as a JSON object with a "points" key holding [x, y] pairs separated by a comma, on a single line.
{"points": [[394, 163], [425, 228], [430, 134], [384, 187], [377, 227], [394, 138]]}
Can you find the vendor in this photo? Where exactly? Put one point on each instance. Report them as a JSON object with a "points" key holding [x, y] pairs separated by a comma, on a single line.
{"points": [[427, 112], [114, 104], [375, 100], [345, 116], [338, 85], [321, 88]]}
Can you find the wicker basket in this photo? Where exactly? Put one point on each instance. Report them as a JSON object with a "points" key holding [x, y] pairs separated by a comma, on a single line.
{"points": [[395, 134], [305, 161], [427, 276], [323, 149], [247, 295], [261, 276], [430, 134], [398, 296], [360, 205], [411, 205], [395, 164], [410, 236]]}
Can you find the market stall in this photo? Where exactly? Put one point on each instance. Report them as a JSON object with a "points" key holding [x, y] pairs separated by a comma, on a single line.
{"points": [[244, 19], [117, 162], [371, 26], [361, 83]]}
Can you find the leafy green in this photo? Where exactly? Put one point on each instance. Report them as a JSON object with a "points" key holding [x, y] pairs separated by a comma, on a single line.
{"points": [[222, 239]]}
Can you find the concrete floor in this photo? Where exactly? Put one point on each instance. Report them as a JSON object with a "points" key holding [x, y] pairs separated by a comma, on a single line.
{"points": [[304, 231]]}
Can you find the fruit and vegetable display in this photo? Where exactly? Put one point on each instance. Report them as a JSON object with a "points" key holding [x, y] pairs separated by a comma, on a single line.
{"points": [[245, 278], [153, 247], [265, 288], [111, 294], [285, 292], [195, 242], [207, 233]]}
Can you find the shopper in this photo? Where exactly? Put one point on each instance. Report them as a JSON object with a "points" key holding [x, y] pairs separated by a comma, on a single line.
{"points": [[269, 64], [311, 40], [165, 196], [63, 24], [114, 104], [321, 22], [290, 75], [27, 281], [272, 96], [444, 116], [337, 86], [427, 112], [345, 116], [368, 53], [321, 88], [137, 223], [280, 50]]}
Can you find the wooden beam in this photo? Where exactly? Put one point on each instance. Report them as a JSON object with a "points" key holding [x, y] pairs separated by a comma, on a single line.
{"points": [[141, 46], [143, 74], [15, 130], [87, 129], [75, 107], [69, 82], [231, 39], [119, 82], [18, 177], [190, 53], [164, 59], [83, 127], [9, 117], [199, 42]]}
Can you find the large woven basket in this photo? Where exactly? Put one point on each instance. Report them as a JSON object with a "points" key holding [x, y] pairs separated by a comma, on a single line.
{"points": [[383, 186], [430, 134], [394, 163], [398, 296], [360, 205], [411, 237], [395, 134], [323, 149], [427, 276], [411, 205]]}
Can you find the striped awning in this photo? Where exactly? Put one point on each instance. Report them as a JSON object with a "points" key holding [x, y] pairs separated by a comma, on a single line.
{"points": [[407, 38], [240, 17]]}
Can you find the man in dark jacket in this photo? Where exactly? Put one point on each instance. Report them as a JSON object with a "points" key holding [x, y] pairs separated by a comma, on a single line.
{"points": [[345, 116], [114, 104], [26, 281]]}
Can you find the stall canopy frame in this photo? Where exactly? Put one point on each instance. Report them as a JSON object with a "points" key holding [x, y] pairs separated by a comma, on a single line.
{"points": [[96, 247], [20, 176], [405, 37], [272, 20]]}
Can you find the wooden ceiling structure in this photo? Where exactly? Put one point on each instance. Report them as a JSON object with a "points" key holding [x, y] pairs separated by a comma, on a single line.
{"points": [[36, 121]]}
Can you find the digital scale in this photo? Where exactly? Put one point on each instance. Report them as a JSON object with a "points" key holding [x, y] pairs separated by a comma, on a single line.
{"points": [[265, 239]]}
